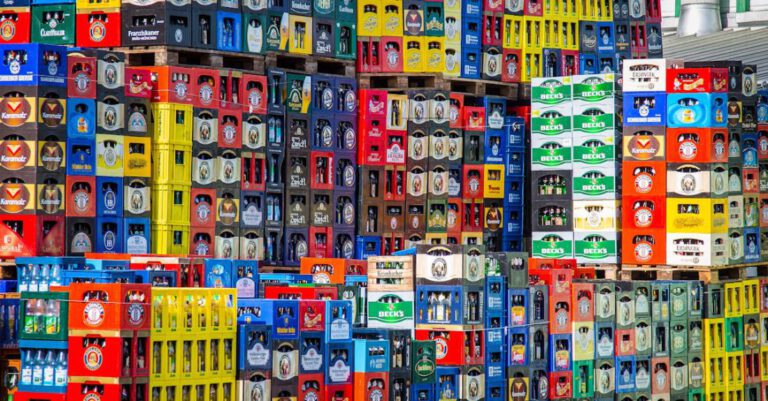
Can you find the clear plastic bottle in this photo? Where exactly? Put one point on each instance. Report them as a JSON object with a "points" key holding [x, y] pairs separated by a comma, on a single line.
{"points": [[37, 369], [61, 370], [52, 317], [26, 369], [48, 369]]}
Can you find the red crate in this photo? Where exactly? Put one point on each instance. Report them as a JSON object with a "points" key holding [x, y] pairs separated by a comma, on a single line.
{"points": [[92, 389], [473, 216], [321, 170], [286, 292], [642, 212], [81, 74], [691, 80], [660, 366], [230, 134], [643, 247], [320, 242], [229, 91], [645, 178], [456, 113], [81, 196], [697, 145], [392, 48], [339, 392], [30, 235], [584, 302], [561, 314], [474, 118], [98, 356], [546, 272], [311, 315], [138, 83], [253, 93], [472, 181], [311, 387], [625, 342], [451, 346], [171, 84], [371, 386], [373, 103], [98, 28], [28, 396], [205, 88], [203, 206], [15, 25], [570, 62], [512, 65], [109, 307], [560, 385], [762, 143], [202, 241]]}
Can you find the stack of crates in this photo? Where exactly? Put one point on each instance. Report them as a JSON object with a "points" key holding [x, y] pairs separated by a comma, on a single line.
{"points": [[552, 168], [52, 22], [273, 167], [43, 324], [192, 343], [644, 168], [34, 173], [390, 301], [514, 185], [698, 193], [109, 340], [450, 288], [172, 96], [98, 23]]}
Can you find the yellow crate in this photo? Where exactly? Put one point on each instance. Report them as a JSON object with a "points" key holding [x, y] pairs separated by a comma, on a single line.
{"points": [[436, 238], [223, 310], [452, 59], [764, 335], [734, 393], [493, 181], [300, 31], [110, 153], [435, 54], [513, 32], [166, 322], [531, 64], [714, 336], [173, 123], [604, 10], [96, 4], [734, 371], [170, 240], [369, 13], [170, 204], [392, 18], [414, 54], [138, 156], [172, 164], [165, 360], [468, 238], [734, 299], [453, 27], [697, 216], [551, 32], [533, 33], [764, 362], [569, 39], [715, 374], [751, 295], [587, 9]]}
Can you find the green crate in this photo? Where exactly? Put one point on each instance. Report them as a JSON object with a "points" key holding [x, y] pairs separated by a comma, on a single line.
{"points": [[734, 334], [583, 379], [424, 364], [678, 337], [38, 322], [346, 47], [48, 29]]}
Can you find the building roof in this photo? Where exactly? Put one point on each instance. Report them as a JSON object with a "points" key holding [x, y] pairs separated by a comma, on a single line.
{"points": [[750, 45]]}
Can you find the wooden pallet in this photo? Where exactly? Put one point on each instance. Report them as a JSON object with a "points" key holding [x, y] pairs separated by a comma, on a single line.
{"points": [[401, 81], [712, 274], [278, 269], [187, 56], [306, 64], [479, 87]]}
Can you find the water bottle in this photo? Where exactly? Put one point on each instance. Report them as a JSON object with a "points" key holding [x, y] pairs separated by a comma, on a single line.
{"points": [[37, 369], [61, 369], [24, 279], [26, 369], [48, 374], [56, 275], [45, 278], [33, 280], [52, 317]]}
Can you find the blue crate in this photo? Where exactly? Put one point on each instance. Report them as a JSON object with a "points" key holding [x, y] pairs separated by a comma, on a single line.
{"points": [[367, 246], [255, 311], [338, 320], [8, 286], [423, 392], [339, 363], [518, 346], [448, 382], [496, 390], [39, 272], [514, 159], [33, 64], [246, 276], [749, 150], [751, 244], [606, 62], [691, 110], [512, 243], [495, 363], [495, 112], [515, 127], [109, 232], [81, 156], [495, 293], [515, 191], [106, 264], [495, 319], [496, 337], [553, 62], [471, 59], [254, 346], [311, 352], [561, 352], [513, 220], [371, 356], [109, 196], [471, 32], [605, 334], [431, 309], [136, 236], [157, 278], [219, 273], [588, 64], [323, 93], [625, 374], [98, 276], [229, 28], [606, 37], [762, 106], [346, 95], [495, 146], [81, 118], [645, 108]]}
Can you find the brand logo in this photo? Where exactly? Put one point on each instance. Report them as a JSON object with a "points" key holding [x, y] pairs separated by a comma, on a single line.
{"points": [[14, 155], [227, 211], [643, 252], [7, 29], [50, 198], [135, 314], [82, 82], [643, 217], [424, 368], [93, 314], [81, 200], [688, 150], [97, 30], [180, 89], [14, 112], [206, 94], [92, 358], [13, 198]]}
